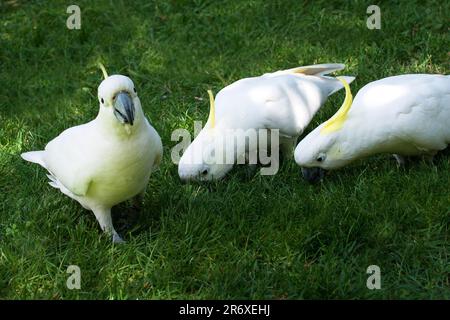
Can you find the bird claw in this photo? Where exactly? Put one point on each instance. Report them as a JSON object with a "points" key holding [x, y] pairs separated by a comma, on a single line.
{"points": [[117, 239]]}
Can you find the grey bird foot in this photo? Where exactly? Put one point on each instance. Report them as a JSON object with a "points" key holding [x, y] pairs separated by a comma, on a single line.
{"points": [[117, 239]]}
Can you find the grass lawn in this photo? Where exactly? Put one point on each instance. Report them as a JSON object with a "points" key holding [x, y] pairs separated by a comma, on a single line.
{"points": [[273, 237]]}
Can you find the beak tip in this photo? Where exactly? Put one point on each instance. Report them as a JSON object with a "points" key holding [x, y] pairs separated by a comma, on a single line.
{"points": [[124, 108]]}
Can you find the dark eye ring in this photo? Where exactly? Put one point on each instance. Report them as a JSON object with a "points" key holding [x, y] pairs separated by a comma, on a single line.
{"points": [[205, 172], [134, 89], [102, 101], [320, 159]]}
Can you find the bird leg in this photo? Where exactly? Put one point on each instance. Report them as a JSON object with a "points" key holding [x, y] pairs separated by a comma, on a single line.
{"points": [[400, 160], [105, 220]]}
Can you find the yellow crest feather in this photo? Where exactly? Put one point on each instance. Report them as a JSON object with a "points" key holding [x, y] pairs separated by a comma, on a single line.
{"points": [[337, 121], [102, 67], [212, 109]]}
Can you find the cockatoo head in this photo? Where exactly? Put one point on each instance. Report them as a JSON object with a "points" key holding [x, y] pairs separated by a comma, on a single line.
{"points": [[201, 159], [201, 162], [119, 103], [325, 148]]}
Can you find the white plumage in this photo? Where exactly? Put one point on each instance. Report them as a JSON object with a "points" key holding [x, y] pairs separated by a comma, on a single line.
{"points": [[108, 160], [285, 100], [404, 115]]}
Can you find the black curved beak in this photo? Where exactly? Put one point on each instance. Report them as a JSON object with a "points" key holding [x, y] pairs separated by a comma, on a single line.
{"points": [[124, 108], [313, 175]]}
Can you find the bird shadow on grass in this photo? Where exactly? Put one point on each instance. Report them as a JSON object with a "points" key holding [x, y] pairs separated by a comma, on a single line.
{"points": [[131, 220]]}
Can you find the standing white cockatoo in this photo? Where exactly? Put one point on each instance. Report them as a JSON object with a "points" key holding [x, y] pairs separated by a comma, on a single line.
{"points": [[108, 160], [285, 100], [405, 115]]}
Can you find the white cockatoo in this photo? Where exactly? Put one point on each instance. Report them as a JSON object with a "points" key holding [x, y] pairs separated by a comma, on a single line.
{"points": [[284, 100], [405, 115], [108, 160]]}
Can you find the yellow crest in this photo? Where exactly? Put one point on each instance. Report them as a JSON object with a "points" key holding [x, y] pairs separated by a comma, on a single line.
{"points": [[212, 110], [337, 121], [102, 67]]}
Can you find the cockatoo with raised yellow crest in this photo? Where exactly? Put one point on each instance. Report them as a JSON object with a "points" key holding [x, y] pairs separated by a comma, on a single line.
{"points": [[108, 160], [405, 115], [284, 100]]}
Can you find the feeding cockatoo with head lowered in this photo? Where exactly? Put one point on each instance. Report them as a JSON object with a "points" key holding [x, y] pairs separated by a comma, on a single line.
{"points": [[107, 160], [284, 100], [406, 115]]}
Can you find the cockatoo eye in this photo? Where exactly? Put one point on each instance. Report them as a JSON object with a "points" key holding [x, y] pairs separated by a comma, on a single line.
{"points": [[320, 158], [134, 89], [102, 101], [204, 172]]}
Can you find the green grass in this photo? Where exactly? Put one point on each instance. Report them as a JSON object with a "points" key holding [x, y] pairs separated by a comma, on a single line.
{"points": [[272, 237]]}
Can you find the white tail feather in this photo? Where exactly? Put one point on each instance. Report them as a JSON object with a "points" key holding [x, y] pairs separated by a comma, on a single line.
{"points": [[35, 157], [318, 69], [314, 70]]}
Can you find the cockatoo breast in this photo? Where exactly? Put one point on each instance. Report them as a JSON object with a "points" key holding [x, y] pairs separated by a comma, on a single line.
{"points": [[124, 168]]}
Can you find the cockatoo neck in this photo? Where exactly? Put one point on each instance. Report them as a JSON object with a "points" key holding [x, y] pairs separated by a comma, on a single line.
{"points": [[367, 139]]}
